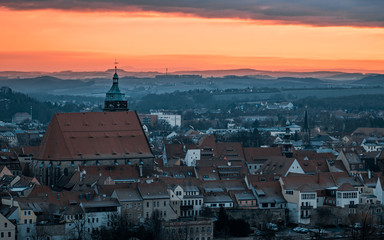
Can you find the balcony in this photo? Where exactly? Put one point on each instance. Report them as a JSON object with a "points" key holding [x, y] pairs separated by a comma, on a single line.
{"points": [[186, 207], [306, 207]]}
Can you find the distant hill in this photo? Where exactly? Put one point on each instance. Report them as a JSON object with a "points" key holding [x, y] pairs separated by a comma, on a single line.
{"points": [[43, 84], [374, 80], [12, 102], [107, 74]]}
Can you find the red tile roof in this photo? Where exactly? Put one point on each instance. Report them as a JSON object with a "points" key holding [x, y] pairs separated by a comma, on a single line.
{"points": [[230, 151], [255, 154], [94, 135]]}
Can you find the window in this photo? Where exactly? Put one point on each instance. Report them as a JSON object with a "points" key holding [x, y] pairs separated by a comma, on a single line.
{"points": [[147, 204], [350, 195], [28, 230], [29, 212], [290, 192], [25, 221], [30, 221], [2, 234], [308, 196], [9, 234], [5, 225]]}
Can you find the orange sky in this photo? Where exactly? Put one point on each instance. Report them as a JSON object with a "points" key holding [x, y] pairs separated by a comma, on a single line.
{"points": [[55, 40]]}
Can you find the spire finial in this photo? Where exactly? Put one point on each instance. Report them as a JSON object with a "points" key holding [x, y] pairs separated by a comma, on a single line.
{"points": [[116, 64]]}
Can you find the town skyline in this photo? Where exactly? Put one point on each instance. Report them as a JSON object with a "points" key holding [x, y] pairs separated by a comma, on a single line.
{"points": [[149, 36]]}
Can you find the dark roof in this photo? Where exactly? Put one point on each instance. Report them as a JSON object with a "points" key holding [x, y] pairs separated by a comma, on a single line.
{"points": [[276, 165], [94, 135], [256, 154]]}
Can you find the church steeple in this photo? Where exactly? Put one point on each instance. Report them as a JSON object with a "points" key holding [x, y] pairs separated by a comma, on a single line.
{"points": [[287, 143], [306, 132], [115, 99]]}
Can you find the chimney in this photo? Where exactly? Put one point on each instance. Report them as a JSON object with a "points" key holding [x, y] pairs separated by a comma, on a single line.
{"points": [[141, 170]]}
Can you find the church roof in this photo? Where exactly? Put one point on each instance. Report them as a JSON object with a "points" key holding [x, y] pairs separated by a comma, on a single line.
{"points": [[114, 94], [94, 135]]}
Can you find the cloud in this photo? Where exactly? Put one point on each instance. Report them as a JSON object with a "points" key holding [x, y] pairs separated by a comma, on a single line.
{"points": [[310, 12]]}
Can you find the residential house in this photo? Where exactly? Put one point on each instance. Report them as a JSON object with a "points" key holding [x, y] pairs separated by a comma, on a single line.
{"points": [[189, 197], [256, 157], [352, 162], [280, 166], [100, 213], [7, 229], [156, 201], [131, 204]]}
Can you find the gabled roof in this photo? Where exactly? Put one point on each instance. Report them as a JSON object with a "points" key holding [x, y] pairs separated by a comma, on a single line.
{"points": [[153, 190], [230, 151], [94, 135], [352, 157], [313, 166], [276, 165], [346, 187], [318, 181], [207, 141], [369, 131], [313, 155], [269, 191], [257, 154], [128, 195], [177, 151]]}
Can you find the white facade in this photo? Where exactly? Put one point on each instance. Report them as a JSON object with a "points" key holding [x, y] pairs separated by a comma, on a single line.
{"points": [[373, 144], [307, 201], [191, 202], [173, 119], [99, 214], [191, 157], [218, 201], [378, 191], [295, 168], [344, 198]]}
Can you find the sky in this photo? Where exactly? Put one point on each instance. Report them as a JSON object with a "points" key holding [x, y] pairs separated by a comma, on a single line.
{"points": [[152, 35]]}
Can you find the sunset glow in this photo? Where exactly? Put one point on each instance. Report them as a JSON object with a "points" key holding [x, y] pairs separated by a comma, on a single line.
{"points": [[56, 40]]}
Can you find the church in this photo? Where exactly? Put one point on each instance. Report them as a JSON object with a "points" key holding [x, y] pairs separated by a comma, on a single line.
{"points": [[112, 137]]}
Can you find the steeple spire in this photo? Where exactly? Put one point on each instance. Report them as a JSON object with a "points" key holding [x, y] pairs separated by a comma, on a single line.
{"points": [[306, 132]]}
